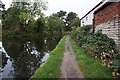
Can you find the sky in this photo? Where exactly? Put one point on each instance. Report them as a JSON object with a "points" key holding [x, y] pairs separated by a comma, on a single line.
{"points": [[81, 7]]}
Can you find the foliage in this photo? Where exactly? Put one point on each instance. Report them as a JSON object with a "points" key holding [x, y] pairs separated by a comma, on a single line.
{"points": [[28, 17], [69, 19], [40, 24], [74, 33], [27, 20], [37, 7], [34, 7], [51, 68], [71, 16], [97, 45], [55, 23], [11, 19], [115, 67], [75, 22], [62, 14], [21, 16], [100, 41]]}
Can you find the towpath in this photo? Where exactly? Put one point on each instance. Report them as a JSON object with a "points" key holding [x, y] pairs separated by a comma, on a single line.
{"points": [[69, 66]]}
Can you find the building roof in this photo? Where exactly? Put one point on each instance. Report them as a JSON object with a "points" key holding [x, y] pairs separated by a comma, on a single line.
{"points": [[102, 7], [92, 9], [103, 4]]}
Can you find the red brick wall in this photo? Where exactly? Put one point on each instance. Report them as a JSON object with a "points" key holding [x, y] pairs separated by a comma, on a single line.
{"points": [[107, 14]]}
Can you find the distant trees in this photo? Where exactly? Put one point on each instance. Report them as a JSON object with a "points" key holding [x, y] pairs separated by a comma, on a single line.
{"points": [[75, 22], [55, 23], [28, 17], [70, 20], [62, 14], [21, 16]]}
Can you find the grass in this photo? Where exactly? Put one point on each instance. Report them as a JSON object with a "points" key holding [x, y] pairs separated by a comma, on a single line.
{"points": [[51, 68], [88, 65]]}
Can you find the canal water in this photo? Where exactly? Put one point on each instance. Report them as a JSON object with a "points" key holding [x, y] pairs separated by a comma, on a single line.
{"points": [[21, 56]]}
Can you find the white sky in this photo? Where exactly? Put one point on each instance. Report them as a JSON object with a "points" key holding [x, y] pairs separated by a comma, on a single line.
{"points": [[81, 7]]}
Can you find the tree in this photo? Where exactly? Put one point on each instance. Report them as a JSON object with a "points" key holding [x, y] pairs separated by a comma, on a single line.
{"points": [[40, 24], [11, 20], [69, 19], [27, 20], [34, 7], [55, 23], [37, 6], [71, 16], [62, 14], [75, 22], [21, 15]]}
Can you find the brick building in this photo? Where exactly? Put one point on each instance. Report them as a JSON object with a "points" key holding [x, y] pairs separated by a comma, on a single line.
{"points": [[107, 19], [105, 16], [87, 19]]}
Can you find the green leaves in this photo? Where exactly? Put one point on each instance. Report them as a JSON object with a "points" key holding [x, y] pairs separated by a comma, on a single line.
{"points": [[55, 23], [99, 46], [11, 19], [75, 22], [21, 16], [27, 20], [69, 19], [40, 25]]}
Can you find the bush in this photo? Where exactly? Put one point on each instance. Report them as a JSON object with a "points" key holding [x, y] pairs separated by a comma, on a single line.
{"points": [[98, 45]]}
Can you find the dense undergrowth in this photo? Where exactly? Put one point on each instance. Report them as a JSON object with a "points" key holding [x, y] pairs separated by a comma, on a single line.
{"points": [[99, 46]]}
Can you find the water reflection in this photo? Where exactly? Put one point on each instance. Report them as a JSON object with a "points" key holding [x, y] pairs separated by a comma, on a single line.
{"points": [[24, 55]]}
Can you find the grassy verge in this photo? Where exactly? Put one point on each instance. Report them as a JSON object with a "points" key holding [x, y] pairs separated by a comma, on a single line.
{"points": [[51, 68], [90, 67]]}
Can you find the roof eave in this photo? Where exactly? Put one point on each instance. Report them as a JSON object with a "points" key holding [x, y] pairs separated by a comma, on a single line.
{"points": [[92, 10]]}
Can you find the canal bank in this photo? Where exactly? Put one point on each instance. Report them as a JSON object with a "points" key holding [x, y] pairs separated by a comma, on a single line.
{"points": [[51, 68], [21, 56]]}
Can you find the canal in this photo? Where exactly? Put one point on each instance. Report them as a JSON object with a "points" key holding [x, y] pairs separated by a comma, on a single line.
{"points": [[21, 56]]}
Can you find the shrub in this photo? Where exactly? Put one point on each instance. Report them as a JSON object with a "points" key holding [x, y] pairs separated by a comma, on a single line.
{"points": [[98, 45], [115, 67]]}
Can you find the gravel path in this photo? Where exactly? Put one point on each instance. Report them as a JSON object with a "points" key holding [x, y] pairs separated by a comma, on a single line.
{"points": [[69, 66]]}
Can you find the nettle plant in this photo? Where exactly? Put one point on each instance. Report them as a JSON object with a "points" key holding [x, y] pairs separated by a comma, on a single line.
{"points": [[100, 46]]}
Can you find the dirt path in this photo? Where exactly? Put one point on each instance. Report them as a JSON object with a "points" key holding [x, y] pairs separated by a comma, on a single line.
{"points": [[69, 67]]}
